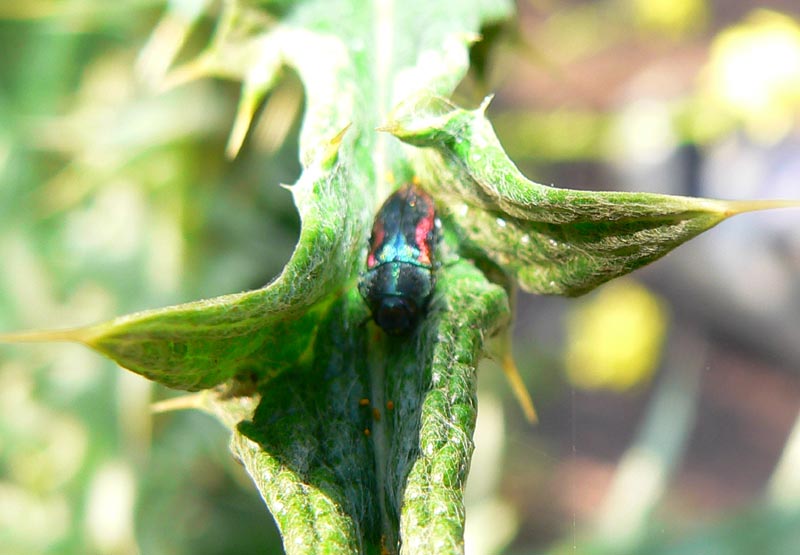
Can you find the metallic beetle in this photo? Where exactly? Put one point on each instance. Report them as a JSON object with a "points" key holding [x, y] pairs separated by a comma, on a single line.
{"points": [[400, 277]]}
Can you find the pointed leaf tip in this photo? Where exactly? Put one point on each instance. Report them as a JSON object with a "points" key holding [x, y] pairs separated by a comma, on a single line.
{"points": [[185, 73], [197, 400], [518, 388], [253, 93], [487, 100], [735, 207], [71, 335], [331, 154]]}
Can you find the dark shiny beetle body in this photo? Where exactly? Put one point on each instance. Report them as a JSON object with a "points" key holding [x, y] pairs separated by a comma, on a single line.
{"points": [[399, 279]]}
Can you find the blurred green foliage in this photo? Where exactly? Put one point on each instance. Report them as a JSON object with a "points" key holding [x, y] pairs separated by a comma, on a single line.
{"points": [[114, 198]]}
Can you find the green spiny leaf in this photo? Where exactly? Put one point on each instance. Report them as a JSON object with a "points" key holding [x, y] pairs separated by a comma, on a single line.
{"points": [[553, 241]]}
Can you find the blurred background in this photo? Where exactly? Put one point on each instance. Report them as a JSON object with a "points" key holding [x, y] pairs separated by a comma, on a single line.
{"points": [[668, 400]]}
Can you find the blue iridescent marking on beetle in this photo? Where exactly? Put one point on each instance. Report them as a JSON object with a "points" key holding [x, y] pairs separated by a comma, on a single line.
{"points": [[399, 279]]}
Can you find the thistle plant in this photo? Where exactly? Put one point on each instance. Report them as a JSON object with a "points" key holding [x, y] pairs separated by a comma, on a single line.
{"points": [[358, 441]]}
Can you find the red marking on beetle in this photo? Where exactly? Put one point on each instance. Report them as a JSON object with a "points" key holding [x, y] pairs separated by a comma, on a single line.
{"points": [[378, 235], [421, 233]]}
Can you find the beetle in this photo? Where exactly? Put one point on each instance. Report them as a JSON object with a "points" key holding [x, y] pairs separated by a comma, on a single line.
{"points": [[399, 279]]}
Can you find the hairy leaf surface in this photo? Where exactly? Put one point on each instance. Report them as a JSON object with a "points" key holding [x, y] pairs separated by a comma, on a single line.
{"points": [[552, 240]]}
